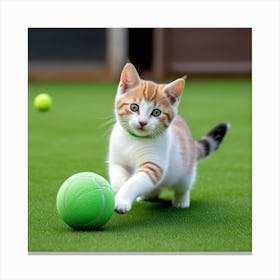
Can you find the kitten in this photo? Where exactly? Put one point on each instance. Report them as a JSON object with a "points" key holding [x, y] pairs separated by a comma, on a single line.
{"points": [[150, 145]]}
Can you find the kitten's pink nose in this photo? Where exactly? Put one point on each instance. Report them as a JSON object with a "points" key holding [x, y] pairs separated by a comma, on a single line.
{"points": [[142, 123]]}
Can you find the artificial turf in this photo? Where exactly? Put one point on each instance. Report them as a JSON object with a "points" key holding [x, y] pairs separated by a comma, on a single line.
{"points": [[73, 137]]}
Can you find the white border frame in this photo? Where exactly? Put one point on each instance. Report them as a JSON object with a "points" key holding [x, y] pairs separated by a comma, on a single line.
{"points": [[17, 16]]}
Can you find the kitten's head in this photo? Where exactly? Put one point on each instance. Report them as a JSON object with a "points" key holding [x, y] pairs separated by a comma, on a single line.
{"points": [[144, 108]]}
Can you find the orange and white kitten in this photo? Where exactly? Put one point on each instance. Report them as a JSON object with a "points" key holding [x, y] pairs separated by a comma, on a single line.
{"points": [[150, 145]]}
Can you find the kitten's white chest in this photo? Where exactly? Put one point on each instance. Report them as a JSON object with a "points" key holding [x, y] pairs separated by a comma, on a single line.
{"points": [[130, 151]]}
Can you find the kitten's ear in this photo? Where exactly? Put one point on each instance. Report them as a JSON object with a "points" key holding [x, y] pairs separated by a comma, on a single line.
{"points": [[129, 77], [174, 90]]}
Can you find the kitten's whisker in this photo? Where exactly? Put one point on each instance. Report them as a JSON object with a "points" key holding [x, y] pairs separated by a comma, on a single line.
{"points": [[109, 122], [107, 131]]}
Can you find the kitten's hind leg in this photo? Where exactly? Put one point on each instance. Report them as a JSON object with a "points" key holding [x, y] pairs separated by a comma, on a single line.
{"points": [[182, 192], [181, 199]]}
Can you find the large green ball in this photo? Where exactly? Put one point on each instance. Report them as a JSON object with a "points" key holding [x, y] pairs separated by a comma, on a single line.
{"points": [[43, 102], [85, 201]]}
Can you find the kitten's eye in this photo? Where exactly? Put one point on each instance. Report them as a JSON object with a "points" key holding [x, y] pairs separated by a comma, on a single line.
{"points": [[156, 112], [134, 107]]}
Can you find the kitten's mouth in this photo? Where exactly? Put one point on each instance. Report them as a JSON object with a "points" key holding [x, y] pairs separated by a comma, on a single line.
{"points": [[143, 129], [139, 132]]}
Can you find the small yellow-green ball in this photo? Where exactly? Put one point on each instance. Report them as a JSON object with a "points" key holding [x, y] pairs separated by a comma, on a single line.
{"points": [[43, 102]]}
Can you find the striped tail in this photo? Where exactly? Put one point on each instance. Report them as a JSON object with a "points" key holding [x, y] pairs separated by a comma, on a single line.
{"points": [[209, 143]]}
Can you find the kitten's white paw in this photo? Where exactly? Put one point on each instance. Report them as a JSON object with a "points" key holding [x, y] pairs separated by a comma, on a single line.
{"points": [[122, 206], [180, 204]]}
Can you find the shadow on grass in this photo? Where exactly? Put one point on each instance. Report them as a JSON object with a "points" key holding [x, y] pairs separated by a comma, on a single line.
{"points": [[160, 213]]}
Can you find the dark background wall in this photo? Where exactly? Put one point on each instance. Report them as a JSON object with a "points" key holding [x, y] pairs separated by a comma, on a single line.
{"points": [[67, 44]]}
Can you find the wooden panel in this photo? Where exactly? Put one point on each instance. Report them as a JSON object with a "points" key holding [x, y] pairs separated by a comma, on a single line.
{"points": [[205, 50]]}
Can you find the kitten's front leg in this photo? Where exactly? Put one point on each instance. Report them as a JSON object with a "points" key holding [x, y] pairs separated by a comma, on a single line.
{"points": [[143, 181], [118, 176]]}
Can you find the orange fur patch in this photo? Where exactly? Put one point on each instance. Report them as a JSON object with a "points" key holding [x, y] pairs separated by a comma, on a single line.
{"points": [[153, 170]]}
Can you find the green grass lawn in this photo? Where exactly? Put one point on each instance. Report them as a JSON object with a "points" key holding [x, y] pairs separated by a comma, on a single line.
{"points": [[73, 137]]}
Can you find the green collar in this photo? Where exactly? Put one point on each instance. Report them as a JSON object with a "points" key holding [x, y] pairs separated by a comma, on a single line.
{"points": [[137, 136]]}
